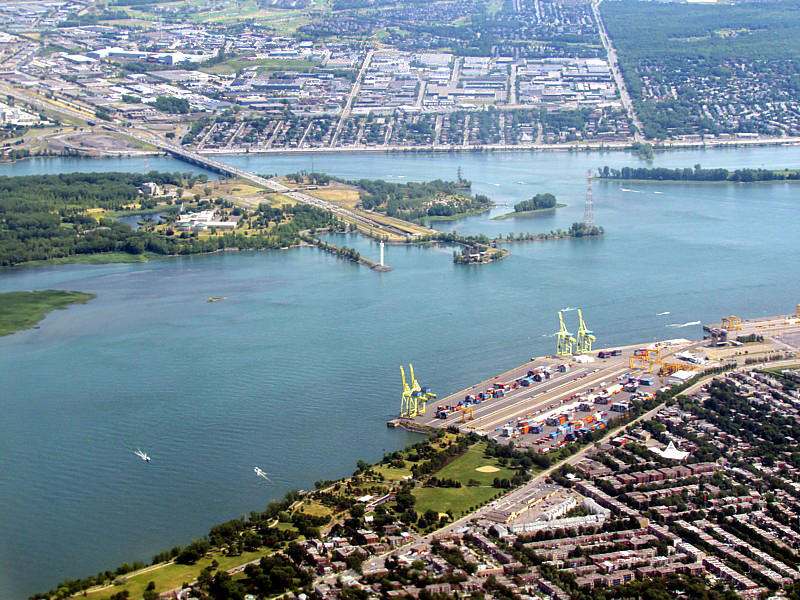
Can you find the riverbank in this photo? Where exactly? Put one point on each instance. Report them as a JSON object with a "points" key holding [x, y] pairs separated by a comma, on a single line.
{"points": [[469, 213], [565, 147], [100, 258], [691, 182], [528, 213], [23, 310]]}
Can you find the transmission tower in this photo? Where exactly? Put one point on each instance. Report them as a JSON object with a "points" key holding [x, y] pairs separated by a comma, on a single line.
{"points": [[588, 212]]}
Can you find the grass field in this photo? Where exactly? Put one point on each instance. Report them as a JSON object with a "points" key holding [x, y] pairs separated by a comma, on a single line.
{"points": [[263, 64], [23, 310], [462, 469], [103, 258], [778, 370], [348, 198], [171, 575], [527, 213]]}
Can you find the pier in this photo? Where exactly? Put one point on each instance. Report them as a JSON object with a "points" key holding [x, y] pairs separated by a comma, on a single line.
{"points": [[548, 401]]}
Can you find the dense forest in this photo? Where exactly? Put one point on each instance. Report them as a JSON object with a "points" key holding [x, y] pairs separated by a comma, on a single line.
{"points": [[676, 31], [412, 200], [697, 174], [44, 217], [685, 65]]}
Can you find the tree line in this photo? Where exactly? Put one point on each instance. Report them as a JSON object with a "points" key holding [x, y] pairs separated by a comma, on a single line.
{"points": [[44, 217], [697, 174]]}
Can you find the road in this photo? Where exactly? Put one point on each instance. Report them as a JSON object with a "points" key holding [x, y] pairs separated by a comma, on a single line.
{"points": [[613, 61], [352, 97]]}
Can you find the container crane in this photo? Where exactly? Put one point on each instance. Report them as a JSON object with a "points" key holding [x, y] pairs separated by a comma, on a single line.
{"points": [[565, 339], [415, 398], [407, 405], [732, 323], [585, 336]]}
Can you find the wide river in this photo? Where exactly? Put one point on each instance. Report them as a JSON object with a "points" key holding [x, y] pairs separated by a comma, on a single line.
{"points": [[296, 371]]}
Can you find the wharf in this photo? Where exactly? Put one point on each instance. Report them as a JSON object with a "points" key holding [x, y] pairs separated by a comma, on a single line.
{"points": [[576, 377]]}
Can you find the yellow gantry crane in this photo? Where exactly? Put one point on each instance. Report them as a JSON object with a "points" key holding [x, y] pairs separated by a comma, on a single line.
{"points": [[407, 406], [732, 323], [415, 398], [467, 411], [566, 340], [585, 336]]}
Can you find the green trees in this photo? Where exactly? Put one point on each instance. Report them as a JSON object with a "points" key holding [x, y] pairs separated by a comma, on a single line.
{"points": [[44, 217], [193, 552], [537, 202], [580, 229], [171, 105], [413, 200], [697, 174]]}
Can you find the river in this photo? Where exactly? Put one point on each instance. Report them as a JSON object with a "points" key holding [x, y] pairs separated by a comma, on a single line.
{"points": [[296, 371]]}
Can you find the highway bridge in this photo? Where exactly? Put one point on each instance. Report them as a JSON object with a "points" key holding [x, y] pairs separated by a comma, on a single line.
{"points": [[75, 111]]}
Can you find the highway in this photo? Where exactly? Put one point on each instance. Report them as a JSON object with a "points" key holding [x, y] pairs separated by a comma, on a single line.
{"points": [[351, 97], [212, 164], [613, 62]]}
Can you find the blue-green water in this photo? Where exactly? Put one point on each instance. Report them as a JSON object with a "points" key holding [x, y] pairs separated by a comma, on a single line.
{"points": [[296, 371]]}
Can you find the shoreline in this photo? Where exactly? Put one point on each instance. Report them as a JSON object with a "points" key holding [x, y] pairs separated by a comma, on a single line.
{"points": [[690, 182], [528, 213], [664, 146]]}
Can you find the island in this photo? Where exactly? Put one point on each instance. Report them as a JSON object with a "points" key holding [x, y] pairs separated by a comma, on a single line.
{"points": [[537, 204], [23, 310], [92, 217]]}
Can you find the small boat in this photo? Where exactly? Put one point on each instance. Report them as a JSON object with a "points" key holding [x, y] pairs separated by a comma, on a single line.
{"points": [[142, 455]]}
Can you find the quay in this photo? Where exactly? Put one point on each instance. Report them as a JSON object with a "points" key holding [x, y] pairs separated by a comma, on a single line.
{"points": [[549, 401]]}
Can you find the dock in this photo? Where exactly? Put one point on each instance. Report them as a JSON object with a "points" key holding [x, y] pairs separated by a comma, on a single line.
{"points": [[544, 400]]}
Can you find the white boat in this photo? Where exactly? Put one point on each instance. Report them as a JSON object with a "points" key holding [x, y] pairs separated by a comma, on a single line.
{"points": [[142, 455]]}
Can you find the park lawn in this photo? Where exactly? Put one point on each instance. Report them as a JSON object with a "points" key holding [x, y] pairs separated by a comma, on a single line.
{"points": [[463, 468], [172, 575], [457, 500], [392, 473], [23, 310], [316, 509]]}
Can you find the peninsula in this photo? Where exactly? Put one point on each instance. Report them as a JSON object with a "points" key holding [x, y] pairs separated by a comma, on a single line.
{"points": [[23, 310]]}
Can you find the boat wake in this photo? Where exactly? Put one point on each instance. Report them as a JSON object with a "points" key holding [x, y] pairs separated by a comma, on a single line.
{"points": [[666, 312], [679, 325], [631, 191], [569, 308]]}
